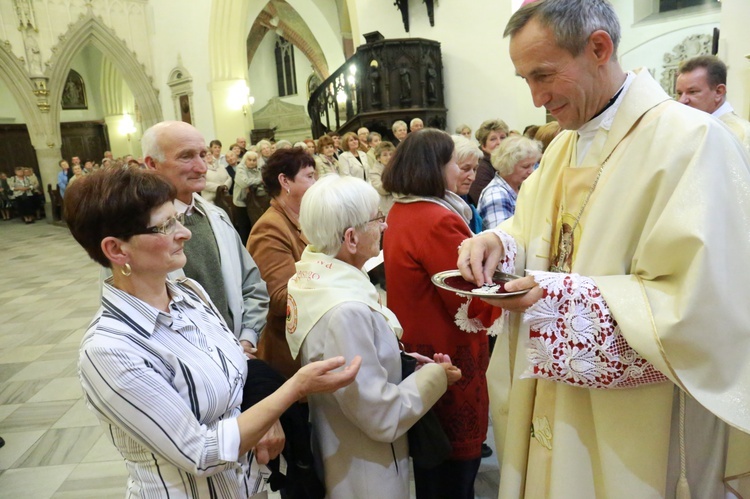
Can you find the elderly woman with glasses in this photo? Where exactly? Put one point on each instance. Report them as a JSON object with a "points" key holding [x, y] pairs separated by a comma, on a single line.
{"points": [[159, 367], [359, 431]]}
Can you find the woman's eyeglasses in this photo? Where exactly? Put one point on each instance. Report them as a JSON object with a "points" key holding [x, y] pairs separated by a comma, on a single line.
{"points": [[380, 218], [168, 227]]}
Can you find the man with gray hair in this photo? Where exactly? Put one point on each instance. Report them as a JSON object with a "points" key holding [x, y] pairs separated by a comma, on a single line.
{"points": [[216, 257], [619, 366], [399, 131], [362, 135], [416, 125], [702, 84]]}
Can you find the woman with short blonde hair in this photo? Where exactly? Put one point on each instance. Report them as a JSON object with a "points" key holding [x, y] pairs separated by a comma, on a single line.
{"points": [[513, 162]]}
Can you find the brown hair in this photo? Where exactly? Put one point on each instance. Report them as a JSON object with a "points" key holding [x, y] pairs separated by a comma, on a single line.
{"points": [[382, 147], [417, 166], [716, 70], [286, 161], [546, 133], [489, 126], [324, 141], [345, 140], [113, 203]]}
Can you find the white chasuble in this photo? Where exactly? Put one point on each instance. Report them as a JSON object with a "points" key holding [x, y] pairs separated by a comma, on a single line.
{"points": [[664, 237]]}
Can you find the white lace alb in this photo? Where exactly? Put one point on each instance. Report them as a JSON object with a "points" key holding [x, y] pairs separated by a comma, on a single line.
{"points": [[574, 339]]}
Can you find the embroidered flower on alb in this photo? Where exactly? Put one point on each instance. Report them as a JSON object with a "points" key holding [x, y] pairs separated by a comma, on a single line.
{"points": [[574, 339]]}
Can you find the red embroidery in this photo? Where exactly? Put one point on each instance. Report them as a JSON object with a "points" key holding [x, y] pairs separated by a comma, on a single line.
{"points": [[573, 338]]}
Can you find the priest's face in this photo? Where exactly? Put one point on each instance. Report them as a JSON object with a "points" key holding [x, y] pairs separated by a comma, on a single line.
{"points": [[694, 90], [568, 86]]}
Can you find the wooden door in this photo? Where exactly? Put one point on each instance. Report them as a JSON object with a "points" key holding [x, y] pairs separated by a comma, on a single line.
{"points": [[16, 149], [86, 139]]}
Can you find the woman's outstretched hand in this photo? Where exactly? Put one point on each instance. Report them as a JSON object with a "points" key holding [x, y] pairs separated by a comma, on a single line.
{"points": [[320, 377]]}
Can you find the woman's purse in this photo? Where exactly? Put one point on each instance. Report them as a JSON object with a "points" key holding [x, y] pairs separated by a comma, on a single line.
{"points": [[428, 444]]}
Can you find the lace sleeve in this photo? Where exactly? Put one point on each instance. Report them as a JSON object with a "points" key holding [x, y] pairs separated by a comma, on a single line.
{"points": [[573, 338]]}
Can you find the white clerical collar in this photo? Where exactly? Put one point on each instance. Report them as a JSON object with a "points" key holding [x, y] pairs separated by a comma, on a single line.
{"points": [[604, 121], [723, 109]]}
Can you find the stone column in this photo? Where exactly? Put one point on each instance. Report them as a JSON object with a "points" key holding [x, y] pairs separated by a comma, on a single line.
{"points": [[48, 159]]}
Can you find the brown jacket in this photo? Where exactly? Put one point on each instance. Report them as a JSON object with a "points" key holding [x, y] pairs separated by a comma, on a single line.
{"points": [[276, 244]]}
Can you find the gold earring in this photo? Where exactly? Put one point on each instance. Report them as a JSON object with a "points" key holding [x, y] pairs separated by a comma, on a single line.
{"points": [[126, 270]]}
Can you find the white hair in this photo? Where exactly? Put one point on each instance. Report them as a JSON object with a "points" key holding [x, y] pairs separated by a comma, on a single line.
{"points": [[249, 154], [150, 142], [415, 120], [398, 124], [331, 206], [466, 149], [512, 150], [300, 144], [283, 144]]}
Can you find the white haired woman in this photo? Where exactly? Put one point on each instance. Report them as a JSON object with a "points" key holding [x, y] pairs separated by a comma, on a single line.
{"points": [[513, 162], [264, 149], [359, 434], [468, 155], [216, 175]]}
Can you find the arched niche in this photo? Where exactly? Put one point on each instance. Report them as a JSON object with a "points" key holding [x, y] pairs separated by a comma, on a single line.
{"points": [[91, 30], [180, 82]]}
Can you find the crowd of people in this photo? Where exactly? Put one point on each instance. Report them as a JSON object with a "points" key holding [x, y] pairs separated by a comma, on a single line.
{"points": [[601, 381]]}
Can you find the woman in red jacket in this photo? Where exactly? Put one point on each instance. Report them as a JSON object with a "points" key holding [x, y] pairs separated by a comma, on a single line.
{"points": [[425, 226]]}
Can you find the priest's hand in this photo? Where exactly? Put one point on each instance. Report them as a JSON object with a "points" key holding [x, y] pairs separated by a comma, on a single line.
{"points": [[518, 303], [479, 256]]}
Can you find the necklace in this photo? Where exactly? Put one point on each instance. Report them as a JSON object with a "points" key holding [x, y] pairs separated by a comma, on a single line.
{"points": [[565, 243]]}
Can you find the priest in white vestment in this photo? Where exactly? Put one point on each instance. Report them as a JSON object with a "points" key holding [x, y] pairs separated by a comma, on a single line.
{"points": [[702, 84], [624, 372]]}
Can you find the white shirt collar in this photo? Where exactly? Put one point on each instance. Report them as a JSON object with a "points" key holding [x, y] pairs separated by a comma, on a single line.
{"points": [[723, 109], [187, 209], [604, 121]]}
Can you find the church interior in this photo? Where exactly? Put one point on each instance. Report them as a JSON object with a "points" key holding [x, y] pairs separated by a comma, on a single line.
{"points": [[80, 77]]}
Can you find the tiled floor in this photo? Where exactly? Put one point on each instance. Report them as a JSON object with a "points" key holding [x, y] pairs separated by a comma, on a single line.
{"points": [[54, 446]]}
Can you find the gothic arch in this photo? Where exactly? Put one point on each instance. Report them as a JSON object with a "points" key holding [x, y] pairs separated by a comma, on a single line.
{"points": [[17, 80], [233, 19], [280, 15], [92, 30]]}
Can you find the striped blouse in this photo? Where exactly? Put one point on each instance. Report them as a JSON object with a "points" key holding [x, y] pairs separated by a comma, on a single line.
{"points": [[167, 388]]}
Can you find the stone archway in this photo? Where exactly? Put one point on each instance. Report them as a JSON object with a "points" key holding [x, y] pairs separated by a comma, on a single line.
{"points": [[278, 15], [91, 30], [15, 77]]}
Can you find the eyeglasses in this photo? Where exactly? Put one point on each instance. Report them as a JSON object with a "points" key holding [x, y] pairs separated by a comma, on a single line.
{"points": [[168, 227], [380, 218]]}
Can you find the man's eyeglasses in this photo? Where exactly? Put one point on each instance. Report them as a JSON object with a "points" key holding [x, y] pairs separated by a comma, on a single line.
{"points": [[168, 227]]}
